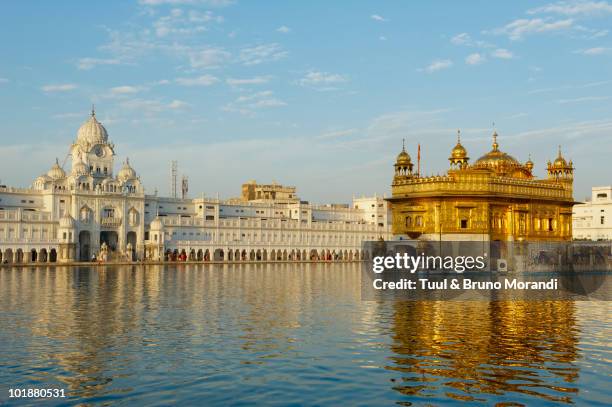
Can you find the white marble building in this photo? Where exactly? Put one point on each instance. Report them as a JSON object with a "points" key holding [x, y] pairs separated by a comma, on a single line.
{"points": [[72, 215], [592, 220]]}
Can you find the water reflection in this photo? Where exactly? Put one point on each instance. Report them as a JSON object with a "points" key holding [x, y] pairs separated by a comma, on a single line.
{"points": [[286, 333], [472, 349]]}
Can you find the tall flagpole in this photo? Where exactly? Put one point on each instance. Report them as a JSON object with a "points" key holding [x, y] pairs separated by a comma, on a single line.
{"points": [[419, 161]]}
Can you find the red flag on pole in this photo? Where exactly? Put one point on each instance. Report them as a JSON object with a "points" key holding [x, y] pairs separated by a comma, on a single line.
{"points": [[419, 160]]}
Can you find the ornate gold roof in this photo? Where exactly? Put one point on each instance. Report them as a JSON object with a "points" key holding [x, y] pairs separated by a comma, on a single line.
{"points": [[403, 158], [496, 160], [459, 152]]}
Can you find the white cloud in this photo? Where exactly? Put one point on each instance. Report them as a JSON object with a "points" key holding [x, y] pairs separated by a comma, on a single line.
{"points": [[151, 106], [314, 78], [64, 87], [594, 51], [283, 29], [85, 64], [583, 99], [261, 53], [502, 53], [204, 80], [475, 59], [461, 39], [377, 17], [211, 3], [438, 65], [71, 115], [258, 80], [571, 8], [382, 38], [124, 90], [177, 104], [337, 134], [518, 29], [208, 58], [247, 104]]}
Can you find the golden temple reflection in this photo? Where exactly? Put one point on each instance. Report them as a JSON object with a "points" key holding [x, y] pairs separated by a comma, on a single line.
{"points": [[486, 348], [494, 198]]}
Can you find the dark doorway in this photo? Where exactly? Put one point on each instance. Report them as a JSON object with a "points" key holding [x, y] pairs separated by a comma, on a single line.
{"points": [[111, 239], [84, 246]]}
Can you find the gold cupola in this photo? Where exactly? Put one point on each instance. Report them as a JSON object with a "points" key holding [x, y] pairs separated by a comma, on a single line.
{"points": [[560, 169], [403, 164], [498, 162], [458, 158]]}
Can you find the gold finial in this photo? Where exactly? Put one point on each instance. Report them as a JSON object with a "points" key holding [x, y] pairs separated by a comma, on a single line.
{"points": [[458, 136], [495, 145], [404, 144]]}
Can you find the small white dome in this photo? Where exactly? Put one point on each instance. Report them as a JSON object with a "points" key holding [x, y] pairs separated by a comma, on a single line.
{"points": [[67, 221], [92, 132], [126, 172], [79, 168], [56, 172], [157, 224]]}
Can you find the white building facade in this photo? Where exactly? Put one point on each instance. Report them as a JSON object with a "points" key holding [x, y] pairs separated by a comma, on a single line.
{"points": [[592, 220], [89, 211]]}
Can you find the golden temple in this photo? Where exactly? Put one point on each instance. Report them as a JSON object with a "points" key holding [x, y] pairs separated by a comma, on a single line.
{"points": [[494, 198]]}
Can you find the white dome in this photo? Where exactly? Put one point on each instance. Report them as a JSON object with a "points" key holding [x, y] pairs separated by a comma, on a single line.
{"points": [[126, 172], [157, 224], [92, 132], [56, 172], [79, 168], [67, 221]]}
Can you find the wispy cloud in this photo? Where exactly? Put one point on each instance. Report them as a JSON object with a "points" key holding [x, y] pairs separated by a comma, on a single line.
{"points": [[594, 51], [572, 8], [125, 90], [150, 106], [204, 80], [63, 87], [461, 39], [337, 134], [212, 57], [85, 64], [283, 29], [522, 27], [377, 17], [583, 99], [210, 3], [438, 65], [315, 78], [475, 59], [257, 80], [502, 53], [247, 104], [261, 53]]}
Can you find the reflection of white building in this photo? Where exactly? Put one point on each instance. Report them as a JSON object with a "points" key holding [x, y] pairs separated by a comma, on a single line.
{"points": [[68, 216], [592, 220]]}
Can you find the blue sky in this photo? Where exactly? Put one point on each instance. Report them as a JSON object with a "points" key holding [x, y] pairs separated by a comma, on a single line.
{"points": [[313, 94]]}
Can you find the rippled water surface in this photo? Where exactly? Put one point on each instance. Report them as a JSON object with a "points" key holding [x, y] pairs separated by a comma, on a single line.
{"points": [[287, 334]]}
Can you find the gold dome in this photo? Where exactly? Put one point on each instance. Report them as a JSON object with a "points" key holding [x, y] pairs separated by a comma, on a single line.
{"points": [[560, 161], [403, 158], [497, 160], [529, 164], [459, 152]]}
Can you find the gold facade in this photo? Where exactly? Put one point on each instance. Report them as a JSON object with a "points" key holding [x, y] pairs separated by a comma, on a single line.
{"points": [[495, 198]]}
